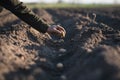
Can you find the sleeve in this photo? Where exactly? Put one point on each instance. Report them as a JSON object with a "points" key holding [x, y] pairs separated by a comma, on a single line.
{"points": [[25, 14], [1, 9]]}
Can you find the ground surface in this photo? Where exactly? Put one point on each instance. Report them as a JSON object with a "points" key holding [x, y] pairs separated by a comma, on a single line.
{"points": [[90, 50]]}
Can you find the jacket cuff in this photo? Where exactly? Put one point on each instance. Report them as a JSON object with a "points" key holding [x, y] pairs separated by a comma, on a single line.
{"points": [[44, 28]]}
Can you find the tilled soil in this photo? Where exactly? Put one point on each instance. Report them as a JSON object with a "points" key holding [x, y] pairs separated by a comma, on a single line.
{"points": [[90, 50]]}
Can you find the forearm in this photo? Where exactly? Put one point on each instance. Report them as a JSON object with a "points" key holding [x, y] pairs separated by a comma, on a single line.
{"points": [[21, 11]]}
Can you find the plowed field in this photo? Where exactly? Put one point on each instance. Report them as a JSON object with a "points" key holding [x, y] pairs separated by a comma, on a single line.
{"points": [[90, 50]]}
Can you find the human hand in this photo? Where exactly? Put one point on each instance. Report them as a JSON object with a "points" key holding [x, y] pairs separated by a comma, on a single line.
{"points": [[57, 30]]}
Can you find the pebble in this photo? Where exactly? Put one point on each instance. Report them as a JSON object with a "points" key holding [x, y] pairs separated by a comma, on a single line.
{"points": [[43, 59], [58, 41], [61, 41], [63, 77], [62, 50], [89, 50], [60, 65]]}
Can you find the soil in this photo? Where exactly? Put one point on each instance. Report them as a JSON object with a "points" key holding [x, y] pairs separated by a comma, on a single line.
{"points": [[90, 50]]}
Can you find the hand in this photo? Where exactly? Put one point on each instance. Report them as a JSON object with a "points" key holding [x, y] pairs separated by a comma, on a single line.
{"points": [[57, 30]]}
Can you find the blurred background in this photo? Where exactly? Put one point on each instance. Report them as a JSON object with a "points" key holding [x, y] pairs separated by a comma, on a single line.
{"points": [[75, 1], [67, 3]]}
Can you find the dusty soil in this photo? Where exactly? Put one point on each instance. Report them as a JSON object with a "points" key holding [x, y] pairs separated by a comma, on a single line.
{"points": [[90, 50]]}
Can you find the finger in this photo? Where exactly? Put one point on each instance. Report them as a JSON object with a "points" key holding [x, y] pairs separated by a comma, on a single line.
{"points": [[60, 28], [57, 31]]}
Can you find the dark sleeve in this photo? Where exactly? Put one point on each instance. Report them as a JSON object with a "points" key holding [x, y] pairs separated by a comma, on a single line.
{"points": [[1, 9], [25, 14]]}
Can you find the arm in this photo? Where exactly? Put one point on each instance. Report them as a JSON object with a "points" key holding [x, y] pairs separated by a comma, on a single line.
{"points": [[1, 9], [25, 14]]}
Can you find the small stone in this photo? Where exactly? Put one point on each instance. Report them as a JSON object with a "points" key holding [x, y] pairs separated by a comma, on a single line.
{"points": [[60, 65], [61, 41], [89, 50], [54, 41], [62, 50], [63, 77], [43, 59]]}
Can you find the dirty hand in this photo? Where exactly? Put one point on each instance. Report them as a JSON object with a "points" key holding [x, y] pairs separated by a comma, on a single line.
{"points": [[57, 30]]}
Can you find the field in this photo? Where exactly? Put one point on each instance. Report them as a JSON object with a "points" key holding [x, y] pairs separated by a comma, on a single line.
{"points": [[65, 5], [90, 50]]}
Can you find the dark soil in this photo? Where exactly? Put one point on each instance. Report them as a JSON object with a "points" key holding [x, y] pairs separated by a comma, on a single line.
{"points": [[90, 50]]}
